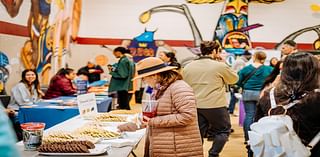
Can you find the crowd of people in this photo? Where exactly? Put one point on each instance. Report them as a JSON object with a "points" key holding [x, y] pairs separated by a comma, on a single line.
{"points": [[191, 101], [287, 74]]}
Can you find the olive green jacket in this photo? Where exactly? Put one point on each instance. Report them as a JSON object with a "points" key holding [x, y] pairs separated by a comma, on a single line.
{"points": [[122, 75]]}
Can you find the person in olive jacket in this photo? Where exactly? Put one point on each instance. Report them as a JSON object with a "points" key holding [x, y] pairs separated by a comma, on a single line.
{"points": [[121, 80]]}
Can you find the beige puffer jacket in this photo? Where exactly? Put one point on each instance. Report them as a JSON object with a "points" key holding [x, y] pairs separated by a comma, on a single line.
{"points": [[174, 132]]}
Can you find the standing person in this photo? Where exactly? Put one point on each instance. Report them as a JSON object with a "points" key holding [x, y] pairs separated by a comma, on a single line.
{"points": [[93, 71], [8, 147], [209, 85], [132, 90], [287, 48], [239, 63], [298, 84], [273, 62], [61, 84], [273, 79], [121, 80], [174, 130], [169, 58], [251, 79]]}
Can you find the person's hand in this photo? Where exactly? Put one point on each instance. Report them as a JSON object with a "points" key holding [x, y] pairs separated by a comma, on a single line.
{"points": [[128, 127], [110, 68], [10, 112], [92, 70], [41, 93], [145, 121]]}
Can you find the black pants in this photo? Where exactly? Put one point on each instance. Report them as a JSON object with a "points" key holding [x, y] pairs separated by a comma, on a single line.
{"points": [[123, 99], [219, 121], [16, 126]]}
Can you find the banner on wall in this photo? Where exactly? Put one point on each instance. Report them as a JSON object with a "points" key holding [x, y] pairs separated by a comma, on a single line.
{"points": [[143, 46]]}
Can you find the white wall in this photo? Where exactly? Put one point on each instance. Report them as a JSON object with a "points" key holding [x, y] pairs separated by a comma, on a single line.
{"points": [[282, 19]]}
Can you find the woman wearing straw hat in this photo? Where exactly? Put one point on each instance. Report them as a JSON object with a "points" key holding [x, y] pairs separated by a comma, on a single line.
{"points": [[174, 130]]}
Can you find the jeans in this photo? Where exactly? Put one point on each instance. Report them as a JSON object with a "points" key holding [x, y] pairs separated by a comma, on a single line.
{"points": [[233, 101], [250, 110]]}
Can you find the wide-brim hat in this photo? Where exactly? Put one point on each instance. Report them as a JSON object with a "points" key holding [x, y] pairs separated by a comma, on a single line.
{"points": [[150, 66]]}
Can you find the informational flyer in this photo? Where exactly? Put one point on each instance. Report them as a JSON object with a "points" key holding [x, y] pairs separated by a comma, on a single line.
{"points": [[87, 103], [82, 86]]}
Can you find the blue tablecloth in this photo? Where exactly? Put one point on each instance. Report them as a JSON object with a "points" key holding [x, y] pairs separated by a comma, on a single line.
{"points": [[53, 113]]}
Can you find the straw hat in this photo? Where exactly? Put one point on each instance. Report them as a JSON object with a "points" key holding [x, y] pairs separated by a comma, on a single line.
{"points": [[150, 66]]}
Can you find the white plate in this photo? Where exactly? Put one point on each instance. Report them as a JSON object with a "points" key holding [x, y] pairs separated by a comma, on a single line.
{"points": [[99, 149]]}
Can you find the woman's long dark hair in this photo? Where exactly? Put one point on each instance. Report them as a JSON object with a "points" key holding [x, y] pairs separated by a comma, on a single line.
{"points": [[166, 78], [36, 82], [300, 74], [173, 60], [275, 72], [270, 63]]}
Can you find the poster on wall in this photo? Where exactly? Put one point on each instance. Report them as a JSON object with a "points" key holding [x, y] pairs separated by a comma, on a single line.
{"points": [[143, 46]]}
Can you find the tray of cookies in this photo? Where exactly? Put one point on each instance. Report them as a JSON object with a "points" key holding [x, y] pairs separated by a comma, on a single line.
{"points": [[73, 148], [97, 133]]}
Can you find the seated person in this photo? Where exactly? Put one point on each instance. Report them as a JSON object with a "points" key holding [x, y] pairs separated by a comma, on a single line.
{"points": [[27, 91], [61, 84], [93, 71]]}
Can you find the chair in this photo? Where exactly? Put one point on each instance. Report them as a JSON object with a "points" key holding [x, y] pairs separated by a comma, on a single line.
{"points": [[5, 99]]}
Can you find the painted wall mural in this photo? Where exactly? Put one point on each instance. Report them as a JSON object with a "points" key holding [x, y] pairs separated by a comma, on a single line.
{"points": [[49, 43], [232, 30], [181, 9], [143, 46], [4, 72], [294, 35]]}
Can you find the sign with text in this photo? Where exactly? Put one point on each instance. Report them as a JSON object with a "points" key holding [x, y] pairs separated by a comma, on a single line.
{"points": [[87, 103], [82, 86]]}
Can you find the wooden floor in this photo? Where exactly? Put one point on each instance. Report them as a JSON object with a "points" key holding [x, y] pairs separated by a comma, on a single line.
{"points": [[233, 148]]}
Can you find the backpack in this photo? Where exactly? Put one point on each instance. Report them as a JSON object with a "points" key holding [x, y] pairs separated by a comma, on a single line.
{"points": [[274, 136]]}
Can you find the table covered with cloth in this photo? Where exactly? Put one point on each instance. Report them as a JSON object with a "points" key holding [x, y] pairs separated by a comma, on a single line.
{"points": [[54, 112]]}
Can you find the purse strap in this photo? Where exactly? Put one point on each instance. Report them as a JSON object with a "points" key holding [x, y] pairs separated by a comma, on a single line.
{"points": [[250, 75], [316, 139]]}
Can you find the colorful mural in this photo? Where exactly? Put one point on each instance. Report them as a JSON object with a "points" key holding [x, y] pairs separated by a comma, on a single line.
{"points": [[232, 27], [294, 35], [47, 40], [143, 46], [181, 9], [4, 72]]}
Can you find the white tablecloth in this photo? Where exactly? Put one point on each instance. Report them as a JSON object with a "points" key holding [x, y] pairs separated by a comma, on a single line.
{"points": [[131, 138]]}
